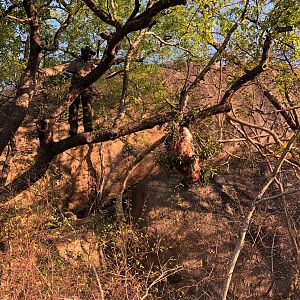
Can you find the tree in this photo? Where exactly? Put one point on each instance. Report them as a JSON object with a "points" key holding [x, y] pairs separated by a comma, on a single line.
{"points": [[27, 86], [243, 43], [48, 24]]}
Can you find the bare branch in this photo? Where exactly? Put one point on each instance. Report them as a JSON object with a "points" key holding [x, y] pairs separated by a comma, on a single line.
{"points": [[288, 108], [162, 41], [292, 233], [160, 278], [242, 122], [242, 139], [48, 72], [283, 193], [245, 225], [256, 144], [58, 34], [122, 106], [113, 74], [19, 20], [274, 101]]}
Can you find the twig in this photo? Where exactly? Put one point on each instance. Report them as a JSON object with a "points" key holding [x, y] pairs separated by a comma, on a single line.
{"points": [[243, 132], [94, 270], [234, 155], [242, 122], [114, 74], [162, 41], [101, 179], [272, 254], [161, 277], [98, 281], [288, 192], [288, 108], [242, 139]]}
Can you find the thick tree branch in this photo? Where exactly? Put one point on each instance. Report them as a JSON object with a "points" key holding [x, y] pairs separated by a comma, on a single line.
{"points": [[250, 75], [48, 72], [135, 10], [144, 19], [12, 114], [274, 101], [157, 7], [19, 20], [48, 152], [102, 14]]}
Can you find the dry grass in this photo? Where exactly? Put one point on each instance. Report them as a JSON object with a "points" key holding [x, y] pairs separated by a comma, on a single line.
{"points": [[81, 259]]}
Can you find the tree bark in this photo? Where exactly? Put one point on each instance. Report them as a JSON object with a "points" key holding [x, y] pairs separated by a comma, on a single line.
{"points": [[13, 113]]}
